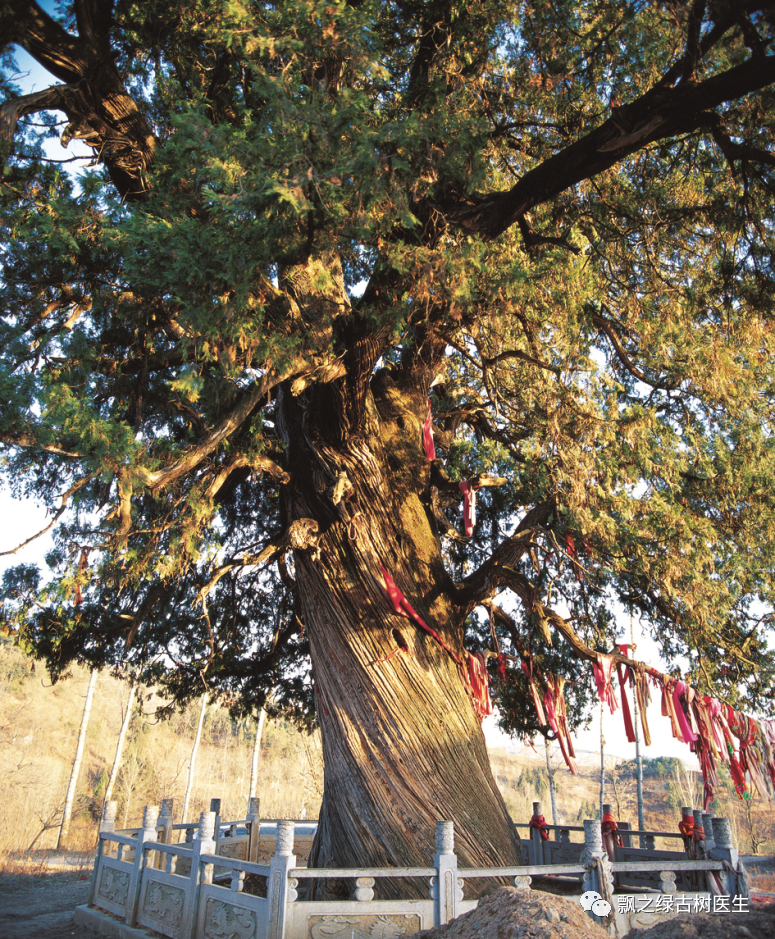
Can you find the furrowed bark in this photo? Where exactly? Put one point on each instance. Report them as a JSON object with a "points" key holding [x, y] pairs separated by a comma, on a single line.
{"points": [[402, 745]]}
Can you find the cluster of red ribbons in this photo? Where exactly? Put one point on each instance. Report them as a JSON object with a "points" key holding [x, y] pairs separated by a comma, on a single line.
{"points": [[686, 827], [473, 672], [714, 731], [554, 704], [479, 684], [466, 487], [539, 822], [602, 669], [551, 709], [710, 728]]}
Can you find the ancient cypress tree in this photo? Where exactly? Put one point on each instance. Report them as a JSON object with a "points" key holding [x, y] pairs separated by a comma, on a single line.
{"points": [[312, 235]]}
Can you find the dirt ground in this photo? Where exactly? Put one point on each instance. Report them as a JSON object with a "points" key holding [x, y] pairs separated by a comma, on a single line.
{"points": [[40, 906]]}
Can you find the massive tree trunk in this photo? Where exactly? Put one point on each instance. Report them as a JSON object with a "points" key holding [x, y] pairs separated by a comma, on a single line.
{"points": [[402, 743]]}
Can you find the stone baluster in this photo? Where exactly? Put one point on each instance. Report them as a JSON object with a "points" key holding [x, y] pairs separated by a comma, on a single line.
{"points": [[446, 890], [281, 888], [364, 889], [724, 850], [254, 828], [147, 833], [237, 881]]}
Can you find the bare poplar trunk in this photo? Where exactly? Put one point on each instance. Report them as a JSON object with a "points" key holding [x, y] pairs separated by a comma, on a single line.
{"points": [[552, 786], [638, 760], [256, 754], [602, 762], [192, 760], [403, 747], [70, 797], [120, 744]]}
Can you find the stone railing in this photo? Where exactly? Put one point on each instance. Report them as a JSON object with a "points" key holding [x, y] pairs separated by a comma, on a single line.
{"points": [[186, 890]]}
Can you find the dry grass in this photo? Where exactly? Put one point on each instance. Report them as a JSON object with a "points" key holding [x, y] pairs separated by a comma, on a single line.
{"points": [[763, 880]]}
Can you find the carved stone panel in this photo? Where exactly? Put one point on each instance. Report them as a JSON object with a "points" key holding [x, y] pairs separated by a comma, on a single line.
{"points": [[163, 905], [683, 880], [363, 926], [224, 921], [114, 886], [558, 853], [237, 849]]}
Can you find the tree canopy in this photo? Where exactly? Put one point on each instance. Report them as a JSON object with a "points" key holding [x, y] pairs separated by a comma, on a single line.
{"points": [[300, 220]]}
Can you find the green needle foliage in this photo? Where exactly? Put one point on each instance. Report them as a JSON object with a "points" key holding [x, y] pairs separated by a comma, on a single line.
{"points": [[562, 209]]}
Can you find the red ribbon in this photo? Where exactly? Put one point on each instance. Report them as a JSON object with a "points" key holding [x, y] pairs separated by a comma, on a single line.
{"points": [[539, 822], [620, 671], [469, 506], [502, 666], [479, 682], [609, 826], [403, 608], [602, 667], [427, 436]]}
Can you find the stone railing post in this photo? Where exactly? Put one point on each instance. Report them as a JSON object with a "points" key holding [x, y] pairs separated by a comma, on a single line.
{"points": [[146, 833], [699, 840], [536, 841], [598, 876], [166, 820], [687, 815], [108, 822], [201, 871], [165, 829], [446, 890], [707, 824], [215, 807], [254, 827], [103, 847], [725, 850], [281, 889]]}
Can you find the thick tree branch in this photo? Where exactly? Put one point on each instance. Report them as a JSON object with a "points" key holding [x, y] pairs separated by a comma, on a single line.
{"points": [[621, 353], [659, 114], [484, 581], [99, 109]]}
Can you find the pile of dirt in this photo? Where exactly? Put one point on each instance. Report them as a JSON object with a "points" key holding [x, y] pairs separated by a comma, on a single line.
{"points": [[531, 914], [521, 914], [758, 924]]}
